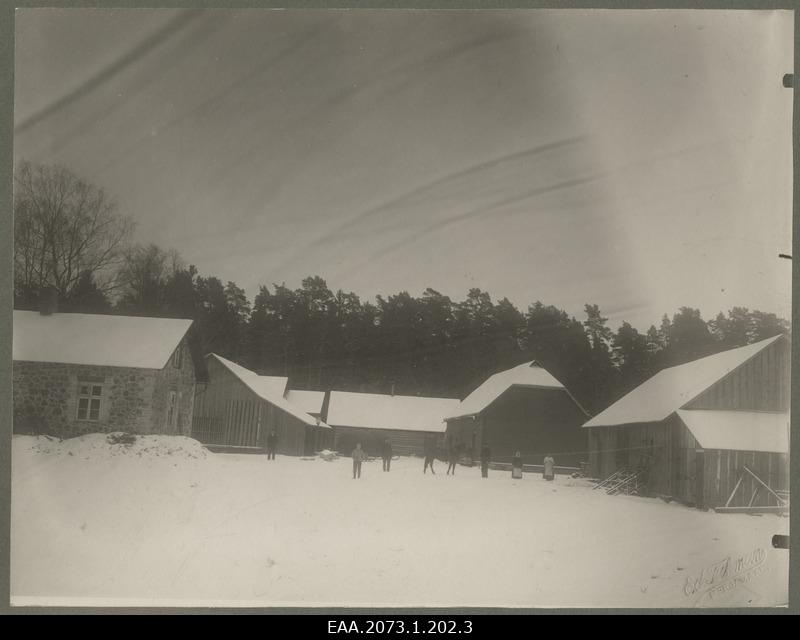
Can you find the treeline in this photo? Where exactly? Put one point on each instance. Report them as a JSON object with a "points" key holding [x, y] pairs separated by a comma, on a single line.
{"points": [[322, 339], [426, 345]]}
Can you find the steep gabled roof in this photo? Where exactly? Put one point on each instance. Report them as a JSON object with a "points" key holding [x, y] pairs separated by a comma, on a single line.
{"points": [[259, 384], [738, 430], [308, 401], [527, 374], [378, 411], [269, 388], [95, 339], [671, 389]]}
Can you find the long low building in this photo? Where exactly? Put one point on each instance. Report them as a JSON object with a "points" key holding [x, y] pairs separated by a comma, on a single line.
{"points": [[239, 408], [691, 429], [523, 409], [371, 418]]}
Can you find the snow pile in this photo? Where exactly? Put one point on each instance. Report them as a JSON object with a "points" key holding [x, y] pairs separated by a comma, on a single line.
{"points": [[100, 445], [328, 455]]}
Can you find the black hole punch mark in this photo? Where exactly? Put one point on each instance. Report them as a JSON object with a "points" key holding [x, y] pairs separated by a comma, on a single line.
{"points": [[780, 541]]}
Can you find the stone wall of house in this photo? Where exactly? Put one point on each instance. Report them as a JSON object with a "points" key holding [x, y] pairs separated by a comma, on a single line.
{"points": [[46, 398]]}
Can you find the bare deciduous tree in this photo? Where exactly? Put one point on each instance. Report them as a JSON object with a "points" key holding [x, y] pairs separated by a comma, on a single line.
{"points": [[64, 228], [143, 275]]}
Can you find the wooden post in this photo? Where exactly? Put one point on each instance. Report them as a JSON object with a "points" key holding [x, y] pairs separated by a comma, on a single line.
{"points": [[733, 493], [766, 486]]}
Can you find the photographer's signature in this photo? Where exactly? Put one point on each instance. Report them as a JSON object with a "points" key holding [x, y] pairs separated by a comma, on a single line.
{"points": [[722, 577]]}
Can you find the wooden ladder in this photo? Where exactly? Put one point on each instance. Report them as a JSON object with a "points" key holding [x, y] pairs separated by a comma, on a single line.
{"points": [[623, 480]]}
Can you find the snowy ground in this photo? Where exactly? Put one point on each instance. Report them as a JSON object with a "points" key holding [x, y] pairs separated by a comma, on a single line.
{"points": [[164, 521]]}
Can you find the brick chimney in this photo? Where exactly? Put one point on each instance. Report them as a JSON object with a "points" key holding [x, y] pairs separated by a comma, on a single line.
{"points": [[48, 301]]}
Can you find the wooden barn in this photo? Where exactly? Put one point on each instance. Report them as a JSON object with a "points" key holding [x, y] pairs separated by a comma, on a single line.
{"points": [[697, 431], [76, 373], [371, 418], [239, 408], [521, 409]]}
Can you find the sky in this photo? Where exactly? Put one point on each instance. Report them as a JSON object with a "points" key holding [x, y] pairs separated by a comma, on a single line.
{"points": [[638, 160]]}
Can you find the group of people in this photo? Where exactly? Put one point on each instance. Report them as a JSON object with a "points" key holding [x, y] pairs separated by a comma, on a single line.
{"points": [[548, 472], [453, 454]]}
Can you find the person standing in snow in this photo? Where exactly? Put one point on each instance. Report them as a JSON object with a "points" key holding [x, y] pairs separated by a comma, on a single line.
{"points": [[272, 444], [387, 455], [452, 458], [358, 457], [516, 466], [430, 455], [486, 456], [549, 467]]}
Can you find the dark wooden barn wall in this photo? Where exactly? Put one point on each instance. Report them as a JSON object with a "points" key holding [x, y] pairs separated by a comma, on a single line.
{"points": [[229, 413], [466, 432], [404, 443], [612, 448], [678, 467], [721, 470], [533, 421], [760, 384]]}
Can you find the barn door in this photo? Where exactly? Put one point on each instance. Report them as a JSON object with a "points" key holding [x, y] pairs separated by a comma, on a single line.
{"points": [[308, 444], [699, 478]]}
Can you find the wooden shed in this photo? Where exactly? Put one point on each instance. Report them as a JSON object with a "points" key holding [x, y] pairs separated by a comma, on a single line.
{"points": [[694, 430], [521, 409], [239, 408], [371, 418]]}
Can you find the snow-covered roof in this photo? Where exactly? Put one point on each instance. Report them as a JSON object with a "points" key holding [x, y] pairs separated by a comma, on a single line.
{"points": [[270, 388], [738, 430], [308, 401], [378, 411], [671, 389], [95, 339], [259, 384], [527, 374]]}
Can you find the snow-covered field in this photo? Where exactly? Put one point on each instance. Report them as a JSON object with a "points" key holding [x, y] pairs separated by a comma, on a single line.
{"points": [[163, 521]]}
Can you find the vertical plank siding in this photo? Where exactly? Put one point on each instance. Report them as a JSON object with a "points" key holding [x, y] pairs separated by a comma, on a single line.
{"points": [[670, 451], [760, 384], [227, 412]]}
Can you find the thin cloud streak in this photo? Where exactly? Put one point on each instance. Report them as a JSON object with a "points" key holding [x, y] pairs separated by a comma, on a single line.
{"points": [[493, 209], [420, 190], [145, 47]]}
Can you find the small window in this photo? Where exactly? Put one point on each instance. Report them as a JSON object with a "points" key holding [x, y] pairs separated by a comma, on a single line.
{"points": [[90, 398], [177, 357]]}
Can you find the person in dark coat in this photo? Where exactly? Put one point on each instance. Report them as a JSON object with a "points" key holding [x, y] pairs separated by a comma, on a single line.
{"points": [[486, 456], [516, 466], [387, 455], [452, 457], [272, 444], [549, 467], [430, 455], [359, 455]]}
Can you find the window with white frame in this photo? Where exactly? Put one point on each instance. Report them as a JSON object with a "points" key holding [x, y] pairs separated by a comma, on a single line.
{"points": [[90, 399]]}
